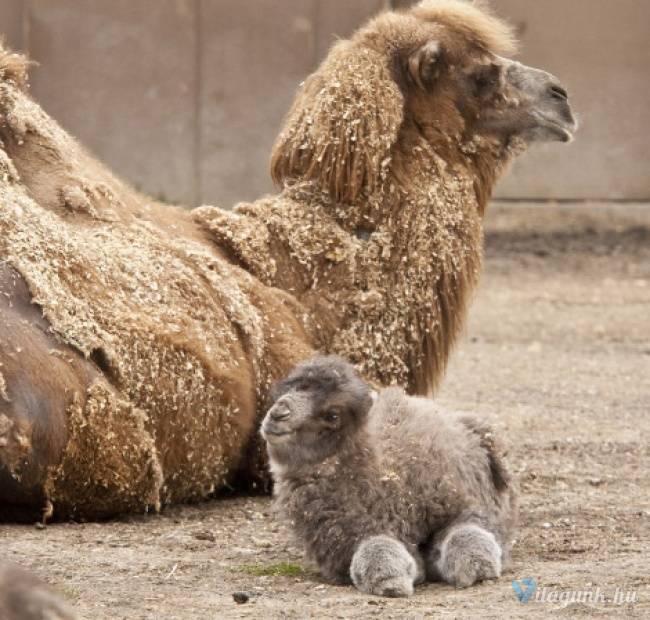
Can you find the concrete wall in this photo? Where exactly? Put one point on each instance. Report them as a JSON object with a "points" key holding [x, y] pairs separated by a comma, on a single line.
{"points": [[184, 97]]}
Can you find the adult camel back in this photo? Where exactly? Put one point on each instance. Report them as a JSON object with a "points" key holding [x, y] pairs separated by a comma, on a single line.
{"points": [[138, 340]]}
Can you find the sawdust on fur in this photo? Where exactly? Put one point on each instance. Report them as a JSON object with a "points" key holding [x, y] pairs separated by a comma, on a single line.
{"points": [[3, 387], [179, 333]]}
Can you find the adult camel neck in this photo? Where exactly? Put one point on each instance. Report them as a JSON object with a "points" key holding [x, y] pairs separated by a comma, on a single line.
{"points": [[384, 281], [424, 161]]}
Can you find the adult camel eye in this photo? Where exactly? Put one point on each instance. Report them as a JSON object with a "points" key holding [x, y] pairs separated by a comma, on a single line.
{"points": [[486, 78], [482, 81]]}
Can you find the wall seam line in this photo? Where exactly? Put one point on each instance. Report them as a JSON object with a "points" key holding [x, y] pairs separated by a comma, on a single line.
{"points": [[198, 105]]}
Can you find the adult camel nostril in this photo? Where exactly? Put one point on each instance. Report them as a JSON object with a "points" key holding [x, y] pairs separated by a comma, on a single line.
{"points": [[557, 92]]}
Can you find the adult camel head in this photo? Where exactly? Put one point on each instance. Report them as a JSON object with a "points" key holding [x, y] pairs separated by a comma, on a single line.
{"points": [[438, 71]]}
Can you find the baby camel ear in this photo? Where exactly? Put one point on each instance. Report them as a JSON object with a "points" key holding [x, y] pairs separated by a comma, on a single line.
{"points": [[342, 125], [363, 403], [424, 64]]}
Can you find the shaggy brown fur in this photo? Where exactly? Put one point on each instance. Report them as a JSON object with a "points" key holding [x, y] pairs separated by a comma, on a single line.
{"points": [[347, 470], [175, 324], [134, 376]]}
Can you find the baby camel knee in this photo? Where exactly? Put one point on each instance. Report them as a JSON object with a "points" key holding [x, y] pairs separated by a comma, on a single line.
{"points": [[468, 554], [383, 566]]}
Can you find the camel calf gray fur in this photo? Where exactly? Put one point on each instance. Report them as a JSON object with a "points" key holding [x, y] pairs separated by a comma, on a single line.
{"points": [[387, 492]]}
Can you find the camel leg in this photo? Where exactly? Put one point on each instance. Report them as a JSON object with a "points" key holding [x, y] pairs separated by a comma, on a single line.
{"points": [[464, 554], [383, 566]]}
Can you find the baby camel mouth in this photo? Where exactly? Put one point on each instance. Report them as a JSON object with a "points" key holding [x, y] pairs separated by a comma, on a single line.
{"points": [[273, 433]]}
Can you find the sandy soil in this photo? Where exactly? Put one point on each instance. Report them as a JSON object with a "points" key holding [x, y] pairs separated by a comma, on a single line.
{"points": [[557, 350]]}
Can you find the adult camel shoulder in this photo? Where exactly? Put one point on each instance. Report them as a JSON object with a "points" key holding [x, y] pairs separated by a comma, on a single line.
{"points": [[159, 330]]}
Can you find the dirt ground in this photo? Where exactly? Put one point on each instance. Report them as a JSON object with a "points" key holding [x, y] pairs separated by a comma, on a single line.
{"points": [[557, 350]]}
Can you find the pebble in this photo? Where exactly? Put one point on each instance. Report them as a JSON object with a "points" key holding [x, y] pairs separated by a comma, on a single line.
{"points": [[261, 542], [240, 597]]}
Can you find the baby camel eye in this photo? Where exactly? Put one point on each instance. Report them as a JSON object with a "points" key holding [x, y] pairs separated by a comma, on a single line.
{"points": [[331, 415]]}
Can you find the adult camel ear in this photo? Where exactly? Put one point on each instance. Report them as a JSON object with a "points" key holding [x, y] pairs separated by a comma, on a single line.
{"points": [[342, 125], [424, 64]]}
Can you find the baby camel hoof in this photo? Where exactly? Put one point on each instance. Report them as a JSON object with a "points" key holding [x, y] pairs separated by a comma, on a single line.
{"points": [[474, 570], [469, 554], [394, 588], [384, 567]]}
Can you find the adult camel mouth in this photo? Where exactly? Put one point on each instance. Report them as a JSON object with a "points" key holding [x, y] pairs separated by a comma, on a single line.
{"points": [[564, 130]]}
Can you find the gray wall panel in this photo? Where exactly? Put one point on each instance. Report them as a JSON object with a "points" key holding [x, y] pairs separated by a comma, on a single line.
{"points": [[184, 98]]}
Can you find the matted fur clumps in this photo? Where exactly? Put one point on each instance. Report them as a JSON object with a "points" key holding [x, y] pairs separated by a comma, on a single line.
{"points": [[329, 135], [180, 344]]}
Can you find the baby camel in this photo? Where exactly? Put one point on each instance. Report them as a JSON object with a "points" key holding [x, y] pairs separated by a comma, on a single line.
{"points": [[386, 491]]}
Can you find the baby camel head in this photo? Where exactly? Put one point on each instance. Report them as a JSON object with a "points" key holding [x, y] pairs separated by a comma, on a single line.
{"points": [[436, 73], [317, 407]]}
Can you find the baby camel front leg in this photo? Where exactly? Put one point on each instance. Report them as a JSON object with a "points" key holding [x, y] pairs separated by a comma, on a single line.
{"points": [[465, 554], [383, 566]]}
